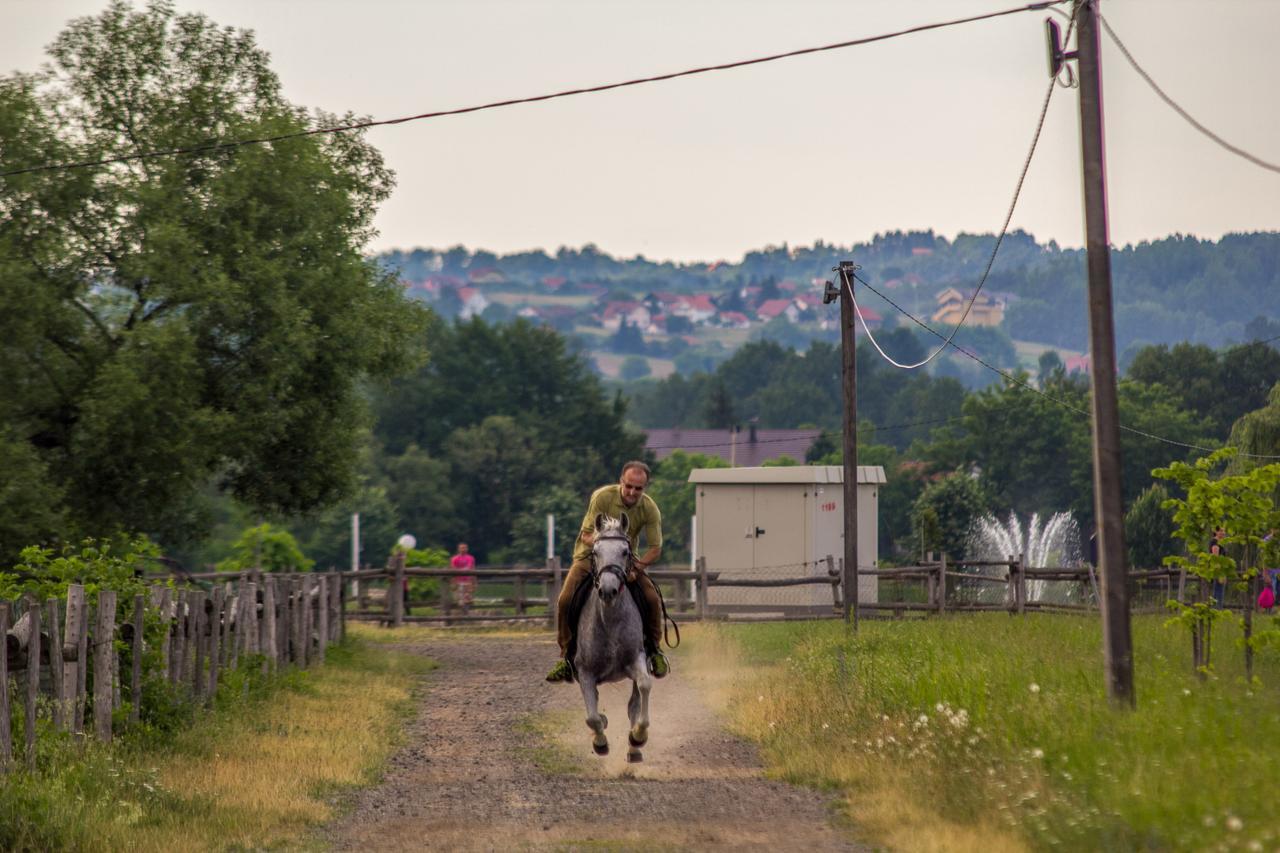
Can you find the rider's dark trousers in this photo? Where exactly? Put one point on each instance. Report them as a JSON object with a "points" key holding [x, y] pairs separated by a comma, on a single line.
{"points": [[580, 571]]}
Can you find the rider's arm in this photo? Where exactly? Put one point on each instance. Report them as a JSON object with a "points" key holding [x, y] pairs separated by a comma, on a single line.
{"points": [[652, 534]]}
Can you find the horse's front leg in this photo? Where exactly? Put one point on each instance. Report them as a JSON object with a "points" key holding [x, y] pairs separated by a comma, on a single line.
{"points": [[596, 721], [638, 707]]}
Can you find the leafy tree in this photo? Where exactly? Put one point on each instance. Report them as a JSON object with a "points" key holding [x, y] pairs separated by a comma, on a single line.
{"points": [[266, 547], [945, 511], [1257, 433], [529, 531], [165, 321], [627, 339], [634, 367], [676, 498], [30, 503], [420, 487], [1236, 512], [720, 412], [1050, 363], [1148, 528]]}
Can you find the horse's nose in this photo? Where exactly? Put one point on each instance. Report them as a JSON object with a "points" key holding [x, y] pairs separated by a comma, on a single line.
{"points": [[607, 594]]}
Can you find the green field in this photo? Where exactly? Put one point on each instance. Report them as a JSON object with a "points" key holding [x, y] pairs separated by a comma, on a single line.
{"points": [[994, 732]]}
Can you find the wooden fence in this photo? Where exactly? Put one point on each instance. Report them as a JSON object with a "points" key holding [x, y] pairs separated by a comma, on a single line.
{"points": [[935, 586], [75, 653]]}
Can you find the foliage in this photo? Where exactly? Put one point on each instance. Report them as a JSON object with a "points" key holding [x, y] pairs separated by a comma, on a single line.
{"points": [[944, 512], [1234, 515], [1149, 528], [425, 589], [1007, 725], [166, 322], [634, 367], [676, 498], [529, 531], [46, 573], [268, 548], [1257, 433]]}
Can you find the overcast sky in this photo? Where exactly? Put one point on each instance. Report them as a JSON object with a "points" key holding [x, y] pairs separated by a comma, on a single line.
{"points": [[925, 131]]}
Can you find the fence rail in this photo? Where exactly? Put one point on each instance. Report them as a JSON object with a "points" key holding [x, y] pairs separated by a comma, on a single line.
{"points": [[74, 651]]}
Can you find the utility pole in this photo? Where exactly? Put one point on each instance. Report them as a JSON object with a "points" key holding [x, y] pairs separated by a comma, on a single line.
{"points": [[849, 383], [1108, 506]]}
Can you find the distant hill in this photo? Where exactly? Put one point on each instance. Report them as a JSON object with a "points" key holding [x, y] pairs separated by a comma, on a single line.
{"points": [[1176, 289]]}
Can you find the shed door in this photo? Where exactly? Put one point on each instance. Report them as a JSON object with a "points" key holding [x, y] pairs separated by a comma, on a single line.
{"points": [[779, 526], [728, 528]]}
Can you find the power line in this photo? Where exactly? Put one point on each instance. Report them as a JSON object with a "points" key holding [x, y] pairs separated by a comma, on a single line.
{"points": [[820, 433], [1017, 191], [1257, 161], [223, 146], [1015, 380]]}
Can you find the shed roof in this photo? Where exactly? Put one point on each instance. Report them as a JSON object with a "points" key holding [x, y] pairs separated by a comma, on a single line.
{"points": [[871, 474]]}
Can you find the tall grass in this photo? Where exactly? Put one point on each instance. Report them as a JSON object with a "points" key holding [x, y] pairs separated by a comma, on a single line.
{"points": [[986, 732], [260, 770]]}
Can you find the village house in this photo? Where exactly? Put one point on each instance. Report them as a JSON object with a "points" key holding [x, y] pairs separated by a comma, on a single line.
{"points": [[634, 313], [988, 310], [473, 302]]}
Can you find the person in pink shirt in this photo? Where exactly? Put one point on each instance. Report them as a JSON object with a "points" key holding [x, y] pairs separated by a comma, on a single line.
{"points": [[464, 586]]}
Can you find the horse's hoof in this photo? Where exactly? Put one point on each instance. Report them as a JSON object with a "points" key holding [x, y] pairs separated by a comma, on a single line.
{"points": [[635, 741], [601, 749], [634, 756]]}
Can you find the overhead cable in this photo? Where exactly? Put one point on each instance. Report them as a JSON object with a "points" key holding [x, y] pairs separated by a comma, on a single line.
{"points": [[1069, 406], [1017, 191], [1240, 152], [223, 146]]}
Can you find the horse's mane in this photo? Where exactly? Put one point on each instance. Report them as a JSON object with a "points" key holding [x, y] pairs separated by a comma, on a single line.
{"points": [[611, 527]]}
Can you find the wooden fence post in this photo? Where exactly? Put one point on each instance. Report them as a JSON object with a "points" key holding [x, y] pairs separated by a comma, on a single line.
{"points": [[322, 614], [520, 608], [70, 657], [6, 737], [160, 597], [215, 641], [1022, 584], [56, 672], [135, 681], [942, 584], [446, 599], [249, 615], [308, 619], [33, 679], [234, 607], [197, 625], [103, 640], [397, 582], [269, 647], [178, 654], [82, 669], [342, 609], [298, 622], [702, 588]]}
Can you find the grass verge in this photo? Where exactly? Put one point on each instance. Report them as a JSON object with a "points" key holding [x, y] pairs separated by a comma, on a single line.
{"points": [[988, 732], [259, 771]]}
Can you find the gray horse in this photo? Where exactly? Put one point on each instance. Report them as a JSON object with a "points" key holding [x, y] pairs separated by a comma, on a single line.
{"points": [[611, 638]]}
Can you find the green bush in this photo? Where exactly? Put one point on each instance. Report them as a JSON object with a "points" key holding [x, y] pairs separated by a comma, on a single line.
{"points": [[268, 548]]}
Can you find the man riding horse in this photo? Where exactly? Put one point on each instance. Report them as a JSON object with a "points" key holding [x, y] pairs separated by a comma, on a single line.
{"points": [[626, 497]]}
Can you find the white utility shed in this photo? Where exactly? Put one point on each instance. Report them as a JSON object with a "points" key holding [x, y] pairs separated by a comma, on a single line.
{"points": [[782, 522]]}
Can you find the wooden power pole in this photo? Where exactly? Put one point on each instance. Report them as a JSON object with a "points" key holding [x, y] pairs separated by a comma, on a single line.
{"points": [[1108, 505], [849, 377]]}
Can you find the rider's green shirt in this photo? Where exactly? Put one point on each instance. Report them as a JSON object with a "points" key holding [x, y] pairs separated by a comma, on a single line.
{"points": [[644, 516]]}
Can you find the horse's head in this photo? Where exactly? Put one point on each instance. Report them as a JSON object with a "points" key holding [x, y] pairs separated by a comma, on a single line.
{"points": [[611, 553]]}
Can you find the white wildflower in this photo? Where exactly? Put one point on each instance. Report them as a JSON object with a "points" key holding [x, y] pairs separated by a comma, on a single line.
{"points": [[1034, 688], [1186, 691], [826, 726], [1234, 823], [1037, 753]]}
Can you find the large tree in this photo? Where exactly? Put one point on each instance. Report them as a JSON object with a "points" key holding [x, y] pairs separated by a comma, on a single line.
{"points": [[167, 320]]}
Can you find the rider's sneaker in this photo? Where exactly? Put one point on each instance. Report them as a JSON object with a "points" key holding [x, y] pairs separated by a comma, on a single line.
{"points": [[560, 672], [658, 665]]}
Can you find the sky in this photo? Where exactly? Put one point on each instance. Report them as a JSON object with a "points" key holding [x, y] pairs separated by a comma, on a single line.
{"points": [[928, 131]]}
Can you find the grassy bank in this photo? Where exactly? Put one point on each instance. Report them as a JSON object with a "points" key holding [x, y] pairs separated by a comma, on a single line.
{"points": [[990, 732], [260, 770]]}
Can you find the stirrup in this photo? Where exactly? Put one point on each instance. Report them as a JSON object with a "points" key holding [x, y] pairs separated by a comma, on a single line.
{"points": [[659, 666]]}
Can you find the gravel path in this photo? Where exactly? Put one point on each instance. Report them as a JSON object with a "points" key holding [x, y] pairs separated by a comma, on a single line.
{"points": [[497, 759]]}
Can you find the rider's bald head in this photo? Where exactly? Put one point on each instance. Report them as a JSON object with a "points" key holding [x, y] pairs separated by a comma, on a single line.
{"points": [[634, 479]]}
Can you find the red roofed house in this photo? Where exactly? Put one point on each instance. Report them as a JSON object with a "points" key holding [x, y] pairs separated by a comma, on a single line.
{"points": [[698, 308], [771, 308], [634, 313], [734, 320], [473, 302]]}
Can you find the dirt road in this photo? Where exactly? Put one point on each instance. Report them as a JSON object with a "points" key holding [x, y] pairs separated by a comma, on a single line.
{"points": [[497, 759]]}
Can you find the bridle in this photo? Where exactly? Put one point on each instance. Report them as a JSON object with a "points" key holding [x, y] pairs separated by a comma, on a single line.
{"points": [[620, 570]]}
